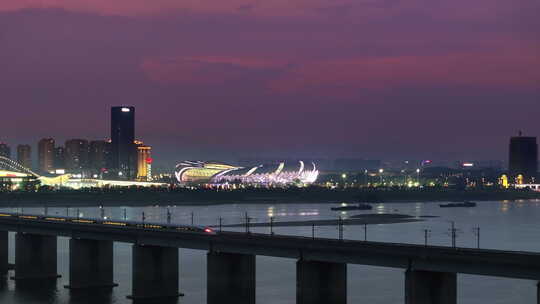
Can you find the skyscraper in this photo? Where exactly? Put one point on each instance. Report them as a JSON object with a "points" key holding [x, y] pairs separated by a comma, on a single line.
{"points": [[523, 158], [46, 154], [24, 155], [124, 152], [77, 155], [59, 158], [5, 150], [99, 155], [144, 162]]}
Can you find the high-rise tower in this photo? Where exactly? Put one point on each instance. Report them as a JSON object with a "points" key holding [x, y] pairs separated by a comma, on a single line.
{"points": [[124, 152], [46, 154], [5, 150], [24, 155], [523, 158], [76, 155]]}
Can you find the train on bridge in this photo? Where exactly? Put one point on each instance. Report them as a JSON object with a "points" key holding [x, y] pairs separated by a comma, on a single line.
{"points": [[109, 222]]}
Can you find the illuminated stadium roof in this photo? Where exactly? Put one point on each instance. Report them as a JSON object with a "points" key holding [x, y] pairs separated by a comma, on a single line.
{"points": [[199, 172], [12, 169]]}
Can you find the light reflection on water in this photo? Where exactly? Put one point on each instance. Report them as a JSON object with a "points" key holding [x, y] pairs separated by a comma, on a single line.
{"points": [[504, 225]]}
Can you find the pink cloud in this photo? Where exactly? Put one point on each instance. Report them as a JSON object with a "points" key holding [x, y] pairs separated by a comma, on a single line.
{"points": [[515, 68], [206, 70], [367, 9], [144, 7], [346, 76]]}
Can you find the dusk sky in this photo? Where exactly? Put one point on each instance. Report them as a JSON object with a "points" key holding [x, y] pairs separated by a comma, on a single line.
{"points": [[228, 79]]}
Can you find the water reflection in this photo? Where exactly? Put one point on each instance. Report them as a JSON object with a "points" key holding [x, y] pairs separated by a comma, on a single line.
{"points": [[99, 295], [35, 291]]}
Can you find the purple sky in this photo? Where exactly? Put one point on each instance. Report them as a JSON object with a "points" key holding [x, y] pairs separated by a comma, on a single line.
{"points": [[301, 78]]}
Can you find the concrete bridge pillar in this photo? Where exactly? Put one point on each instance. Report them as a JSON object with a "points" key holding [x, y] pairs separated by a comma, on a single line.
{"points": [[230, 278], [90, 264], [35, 256], [4, 245], [321, 282], [429, 287], [155, 272]]}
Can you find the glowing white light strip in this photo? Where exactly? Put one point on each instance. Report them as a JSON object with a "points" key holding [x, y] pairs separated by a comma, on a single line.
{"points": [[301, 167], [280, 168]]}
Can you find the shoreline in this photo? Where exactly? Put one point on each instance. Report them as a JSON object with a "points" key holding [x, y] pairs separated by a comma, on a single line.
{"points": [[136, 197]]}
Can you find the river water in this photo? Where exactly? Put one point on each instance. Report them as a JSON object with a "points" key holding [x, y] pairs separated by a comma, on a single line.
{"points": [[509, 225]]}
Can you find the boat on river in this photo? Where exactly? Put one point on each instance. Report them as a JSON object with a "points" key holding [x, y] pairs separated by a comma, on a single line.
{"points": [[456, 205], [359, 206]]}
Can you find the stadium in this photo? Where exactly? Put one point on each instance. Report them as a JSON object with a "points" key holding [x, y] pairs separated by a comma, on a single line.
{"points": [[216, 173]]}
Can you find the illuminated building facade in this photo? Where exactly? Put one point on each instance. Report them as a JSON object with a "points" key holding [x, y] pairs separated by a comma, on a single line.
{"points": [[46, 154], [523, 163], [24, 155], [123, 150], [198, 172], [144, 162]]}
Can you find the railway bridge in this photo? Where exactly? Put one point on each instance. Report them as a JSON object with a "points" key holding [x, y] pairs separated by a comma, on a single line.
{"points": [[430, 271]]}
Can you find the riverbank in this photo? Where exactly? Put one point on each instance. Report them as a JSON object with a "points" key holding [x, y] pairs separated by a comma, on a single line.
{"points": [[143, 197]]}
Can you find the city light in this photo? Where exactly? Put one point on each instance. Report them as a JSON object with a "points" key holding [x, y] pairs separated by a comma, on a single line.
{"points": [[199, 172]]}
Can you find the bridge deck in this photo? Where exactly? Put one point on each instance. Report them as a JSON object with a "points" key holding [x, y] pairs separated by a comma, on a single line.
{"points": [[511, 264]]}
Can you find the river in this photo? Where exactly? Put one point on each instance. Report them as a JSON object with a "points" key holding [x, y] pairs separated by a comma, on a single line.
{"points": [[509, 225]]}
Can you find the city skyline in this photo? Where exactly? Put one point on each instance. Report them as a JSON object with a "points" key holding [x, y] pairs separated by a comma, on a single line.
{"points": [[164, 163], [309, 80], [284, 151]]}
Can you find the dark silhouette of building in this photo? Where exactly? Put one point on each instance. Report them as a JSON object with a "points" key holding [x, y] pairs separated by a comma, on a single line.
{"points": [[124, 151], [46, 154], [60, 158], [5, 150], [24, 155], [77, 155], [523, 158], [99, 156]]}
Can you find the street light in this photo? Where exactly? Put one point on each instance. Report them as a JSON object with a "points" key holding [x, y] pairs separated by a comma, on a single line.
{"points": [[418, 176], [380, 174]]}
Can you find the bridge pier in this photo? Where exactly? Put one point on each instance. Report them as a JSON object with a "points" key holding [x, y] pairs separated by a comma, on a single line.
{"points": [[230, 278], [155, 272], [4, 246], [90, 264], [35, 256], [429, 287], [321, 282]]}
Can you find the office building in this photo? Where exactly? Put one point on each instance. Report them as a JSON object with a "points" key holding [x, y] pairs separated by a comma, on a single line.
{"points": [[76, 155], [60, 158], [5, 150], [144, 162], [523, 162], [24, 155], [123, 149], [46, 155], [99, 156]]}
